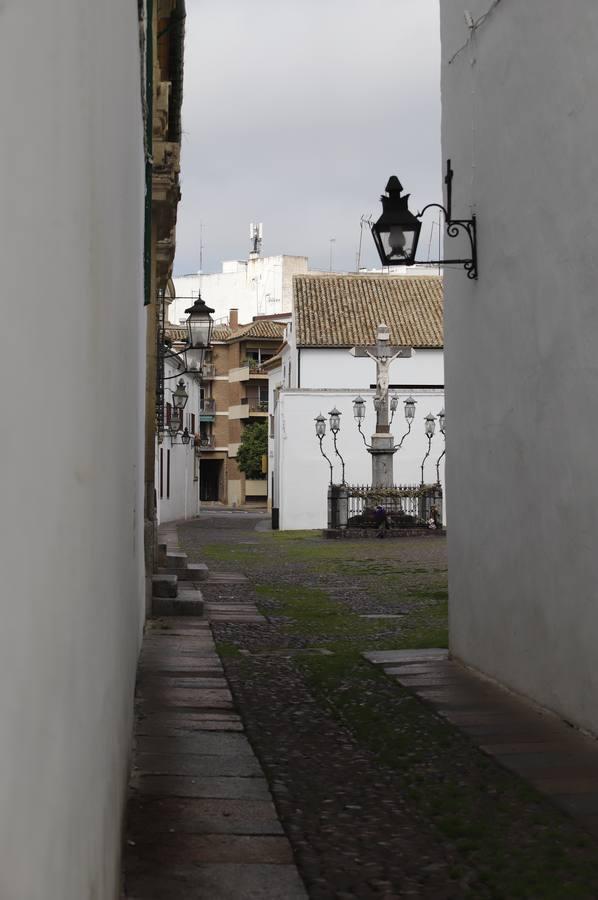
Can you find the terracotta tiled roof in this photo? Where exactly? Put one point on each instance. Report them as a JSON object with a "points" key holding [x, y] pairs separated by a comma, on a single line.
{"points": [[175, 332], [344, 310], [265, 329]]}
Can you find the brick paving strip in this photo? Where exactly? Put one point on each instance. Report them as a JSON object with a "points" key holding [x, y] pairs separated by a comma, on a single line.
{"points": [[200, 818], [557, 760]]}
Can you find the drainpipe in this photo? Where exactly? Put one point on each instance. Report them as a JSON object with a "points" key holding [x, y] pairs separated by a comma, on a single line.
{"points": [[149, 125]]}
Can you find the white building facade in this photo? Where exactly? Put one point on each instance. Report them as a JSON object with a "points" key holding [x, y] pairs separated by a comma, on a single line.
{"points": [[520, 124], [315, 372], [258, 286], [73, 600]]}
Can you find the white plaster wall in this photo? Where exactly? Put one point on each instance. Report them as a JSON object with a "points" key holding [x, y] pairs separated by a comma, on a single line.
{"points": [[183, 499], [336, 368], [71, 553], [274, 385], [260, 286], [183, 502], [520, 122], [301, 473]]}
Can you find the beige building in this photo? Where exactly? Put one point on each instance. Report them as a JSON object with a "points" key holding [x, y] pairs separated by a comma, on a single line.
{"points": [[163, 100], [234, 394]]}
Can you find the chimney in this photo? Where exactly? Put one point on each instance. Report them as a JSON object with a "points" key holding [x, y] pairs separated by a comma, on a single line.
{"points": [[233, 318]]}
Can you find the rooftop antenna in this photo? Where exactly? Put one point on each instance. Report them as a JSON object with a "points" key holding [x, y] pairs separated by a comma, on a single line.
{"points": [[332, 243], [256, 235], [365, 220]]}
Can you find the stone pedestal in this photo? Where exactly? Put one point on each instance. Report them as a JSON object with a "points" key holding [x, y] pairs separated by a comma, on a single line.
{"points": [[382, 451]]}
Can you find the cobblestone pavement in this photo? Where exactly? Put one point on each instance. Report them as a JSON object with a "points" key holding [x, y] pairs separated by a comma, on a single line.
{"points": [[379, 797]]}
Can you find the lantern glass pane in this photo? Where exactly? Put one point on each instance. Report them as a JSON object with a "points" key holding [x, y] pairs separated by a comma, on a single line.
{"points": [[199, 330], [180, 396], [398, 242], [394, 402], [409, 408]]}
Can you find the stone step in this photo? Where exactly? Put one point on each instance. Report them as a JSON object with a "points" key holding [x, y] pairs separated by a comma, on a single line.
{"points": [[192, 572], [175, 559], [187, 603], [164, 585], [162, 551]]}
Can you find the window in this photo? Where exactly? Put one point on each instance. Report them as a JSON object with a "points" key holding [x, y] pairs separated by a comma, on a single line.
{"points": [[167, 474], [192, 427], [161, 472], [168, 413]]}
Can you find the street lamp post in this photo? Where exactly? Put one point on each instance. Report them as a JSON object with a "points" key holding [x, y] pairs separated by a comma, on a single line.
{"points": [[335, 427], [430, 428], [443, 433], [320, 433]]}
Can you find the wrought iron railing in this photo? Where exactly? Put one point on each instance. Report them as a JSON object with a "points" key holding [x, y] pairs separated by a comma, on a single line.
{"points": [[406, 506], [258, 405], [207, 407]]}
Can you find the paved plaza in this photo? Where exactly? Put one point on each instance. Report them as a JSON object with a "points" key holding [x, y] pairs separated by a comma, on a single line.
{"points": [[311, 737]]}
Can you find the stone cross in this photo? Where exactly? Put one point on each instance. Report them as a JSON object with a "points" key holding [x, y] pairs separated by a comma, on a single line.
{"points": [[383, 353], [383, 447]]}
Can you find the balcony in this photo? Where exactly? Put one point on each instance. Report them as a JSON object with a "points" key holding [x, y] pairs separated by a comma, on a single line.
{"points": [[207, 443], [207, 410], [250, 370], [258, 407], [208, 371], [249, 408]]}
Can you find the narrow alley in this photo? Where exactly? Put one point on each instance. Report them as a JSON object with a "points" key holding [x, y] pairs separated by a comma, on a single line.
{"points": [[379, 782]]}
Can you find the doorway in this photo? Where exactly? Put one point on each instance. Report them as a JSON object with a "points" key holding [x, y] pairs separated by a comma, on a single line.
{"points": [[209, 479]]}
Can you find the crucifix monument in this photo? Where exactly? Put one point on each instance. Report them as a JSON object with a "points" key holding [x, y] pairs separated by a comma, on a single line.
{"points": [[382, 447]]}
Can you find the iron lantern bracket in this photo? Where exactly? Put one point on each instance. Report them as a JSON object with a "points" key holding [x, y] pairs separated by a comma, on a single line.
{"points": [[454, 227]]}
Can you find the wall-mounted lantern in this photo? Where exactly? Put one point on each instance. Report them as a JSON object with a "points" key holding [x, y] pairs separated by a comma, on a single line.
{"points": [[199, 325], [180, 395], [396, 233]]}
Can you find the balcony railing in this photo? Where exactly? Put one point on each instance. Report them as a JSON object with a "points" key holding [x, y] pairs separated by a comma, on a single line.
{"points": [[207, 443], [208, 370], [207, 407], [258, 406]]}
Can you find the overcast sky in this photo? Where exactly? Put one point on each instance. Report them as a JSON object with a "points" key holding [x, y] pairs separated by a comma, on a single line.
{"points": [[295, 114]]}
